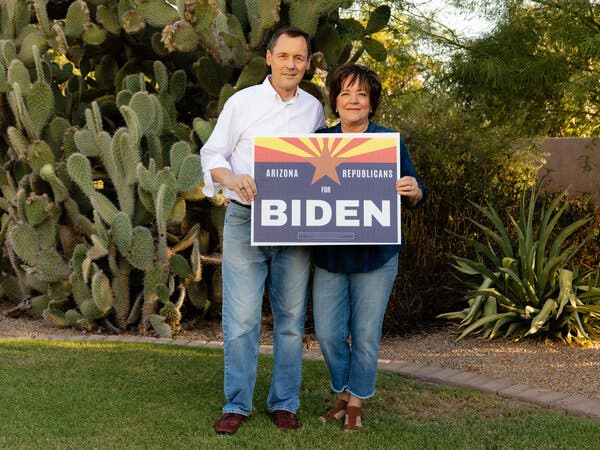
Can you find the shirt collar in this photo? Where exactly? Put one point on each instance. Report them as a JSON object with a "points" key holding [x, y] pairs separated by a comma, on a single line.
{"points": [[267, 85], [372, 128]]}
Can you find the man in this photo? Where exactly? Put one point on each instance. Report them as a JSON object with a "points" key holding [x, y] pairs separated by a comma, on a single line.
{"points": [[277, 106]]}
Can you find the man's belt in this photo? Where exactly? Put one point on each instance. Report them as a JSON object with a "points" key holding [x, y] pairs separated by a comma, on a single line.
{"points": [[243, 205]]}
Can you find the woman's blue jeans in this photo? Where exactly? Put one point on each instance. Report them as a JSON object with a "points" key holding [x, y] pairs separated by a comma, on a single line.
{"points": [[245, 271], [348, 311]]}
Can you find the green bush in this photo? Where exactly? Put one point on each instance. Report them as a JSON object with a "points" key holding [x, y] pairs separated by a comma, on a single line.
{"points": [[528, 285], [578, 206]]}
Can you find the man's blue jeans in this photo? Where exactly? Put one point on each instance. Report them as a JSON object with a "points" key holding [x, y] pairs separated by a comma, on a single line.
{"points": [[352, 305], [245, 271]]}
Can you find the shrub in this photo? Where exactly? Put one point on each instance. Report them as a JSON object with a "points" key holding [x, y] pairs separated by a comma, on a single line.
{"points": [[529, 285]]}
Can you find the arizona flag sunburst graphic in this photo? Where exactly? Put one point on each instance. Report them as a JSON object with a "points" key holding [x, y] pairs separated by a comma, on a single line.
{"points": [[324, 153], [326, 189]]}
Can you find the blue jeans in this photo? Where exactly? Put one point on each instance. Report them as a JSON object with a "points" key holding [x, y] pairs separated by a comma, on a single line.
{"points": [[245, 271], [352, 305]]}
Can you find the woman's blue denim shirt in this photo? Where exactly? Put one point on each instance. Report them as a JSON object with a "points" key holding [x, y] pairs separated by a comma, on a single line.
{"points": [[364, 258]]}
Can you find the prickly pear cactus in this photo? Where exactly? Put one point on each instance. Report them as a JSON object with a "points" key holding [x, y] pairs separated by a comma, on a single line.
{"points": [[103, 107]]}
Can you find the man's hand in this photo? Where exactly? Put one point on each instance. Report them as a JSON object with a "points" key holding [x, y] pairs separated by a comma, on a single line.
{"points": [[243, 185]]}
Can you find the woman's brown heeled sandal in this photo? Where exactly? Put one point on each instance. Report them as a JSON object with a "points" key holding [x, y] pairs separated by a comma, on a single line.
{"points": [[352, 421], [335, 413]]}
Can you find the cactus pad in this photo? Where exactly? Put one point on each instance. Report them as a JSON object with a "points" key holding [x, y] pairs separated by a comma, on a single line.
{"points": [[38, 304], [104, 207], [90, 311], [80, 290], [157, 13], [197, 294], [141, 251], [73, 317], [94, 35], [180, 37], [208, 74], [200, 13], [132, 21], [122, 232], [3, 80], [178, 152], [161, 76], [39, 154], [52, 266], [102, 294], [78, 16], [177, 85], [158, 323], [378, 19], [254, 73], [107, 17], [55, 317], [35, 209], [375, 49], [180, 266], [55, 132], [190, 173], [162, 292], [80, 172], [203, 128], [18, 73], [177, 213], [24, 241], [32, 40], [171, 314], [142, 106]]}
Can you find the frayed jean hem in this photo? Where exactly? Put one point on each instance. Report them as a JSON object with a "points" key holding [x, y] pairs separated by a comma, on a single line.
{"points": [[235, 411], [360, 396]]}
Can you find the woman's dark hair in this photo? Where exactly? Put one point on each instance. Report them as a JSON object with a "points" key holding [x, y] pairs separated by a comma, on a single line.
{"points": [[291, 32], [355, 73]]}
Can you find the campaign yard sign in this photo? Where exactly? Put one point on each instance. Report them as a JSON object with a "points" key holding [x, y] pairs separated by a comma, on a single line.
{"points": [[326, 189]]}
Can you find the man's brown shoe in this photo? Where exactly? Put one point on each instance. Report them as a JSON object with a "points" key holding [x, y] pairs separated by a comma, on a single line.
{"points": [[285, 420], [229, 423]]}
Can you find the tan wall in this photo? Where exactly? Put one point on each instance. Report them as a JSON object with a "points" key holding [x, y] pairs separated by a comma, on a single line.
{"points": [[566, 161]]}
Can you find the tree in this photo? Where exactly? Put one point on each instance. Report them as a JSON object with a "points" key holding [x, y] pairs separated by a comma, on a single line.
{"points": [[538, 66]]}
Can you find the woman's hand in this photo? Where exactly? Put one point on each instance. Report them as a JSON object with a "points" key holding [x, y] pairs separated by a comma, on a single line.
{"points": [[409, 188]]}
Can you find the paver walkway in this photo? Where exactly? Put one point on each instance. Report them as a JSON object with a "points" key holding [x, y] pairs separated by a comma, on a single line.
{"points": [[572, 404]]}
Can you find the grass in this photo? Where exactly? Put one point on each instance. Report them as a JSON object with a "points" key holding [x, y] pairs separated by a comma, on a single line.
{"points": [[118, 395]]}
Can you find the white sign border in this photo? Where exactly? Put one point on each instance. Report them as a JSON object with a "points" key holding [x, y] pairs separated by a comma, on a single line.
{"points": [[394, 135]]}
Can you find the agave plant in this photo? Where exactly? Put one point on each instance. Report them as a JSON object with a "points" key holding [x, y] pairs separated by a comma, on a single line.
{"points": [[529, 286]]}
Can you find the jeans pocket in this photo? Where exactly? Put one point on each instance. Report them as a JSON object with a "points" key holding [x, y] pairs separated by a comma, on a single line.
{"points": [[237, 215]]}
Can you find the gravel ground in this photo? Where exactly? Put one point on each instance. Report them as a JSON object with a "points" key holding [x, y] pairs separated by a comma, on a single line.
{"points": [[552, 366]]}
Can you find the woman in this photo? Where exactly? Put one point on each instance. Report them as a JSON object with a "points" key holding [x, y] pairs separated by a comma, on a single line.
{"points": [[352, 284]]}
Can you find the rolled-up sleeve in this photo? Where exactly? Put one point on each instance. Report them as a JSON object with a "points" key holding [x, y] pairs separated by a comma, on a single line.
{"points": [[216, 152]]}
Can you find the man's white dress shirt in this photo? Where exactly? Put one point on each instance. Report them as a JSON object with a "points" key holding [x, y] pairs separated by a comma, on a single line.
{"points": [[254, 111]]}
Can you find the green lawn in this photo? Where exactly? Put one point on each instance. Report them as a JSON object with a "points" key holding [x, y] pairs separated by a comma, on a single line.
{"points": [[117, 395]]}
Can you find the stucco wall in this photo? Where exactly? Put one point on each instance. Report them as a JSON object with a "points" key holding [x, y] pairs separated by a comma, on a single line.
{"points": [[573, 162]]}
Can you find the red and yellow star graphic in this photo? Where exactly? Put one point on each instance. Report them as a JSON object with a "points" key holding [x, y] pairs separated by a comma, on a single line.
{"points": [[325, 165]]}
